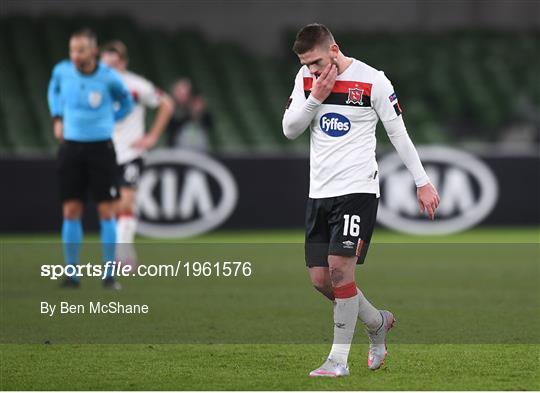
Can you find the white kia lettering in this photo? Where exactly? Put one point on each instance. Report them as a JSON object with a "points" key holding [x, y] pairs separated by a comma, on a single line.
{"points": [[467, 187], [175, 195]]}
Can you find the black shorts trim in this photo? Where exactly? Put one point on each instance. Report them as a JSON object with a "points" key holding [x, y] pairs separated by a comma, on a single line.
{"points": [[341, 226], [87, 169]]}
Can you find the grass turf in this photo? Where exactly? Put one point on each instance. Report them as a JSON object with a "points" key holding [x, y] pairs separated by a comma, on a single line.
{"points": [[264, 367], [478, 235], [277, 366]]}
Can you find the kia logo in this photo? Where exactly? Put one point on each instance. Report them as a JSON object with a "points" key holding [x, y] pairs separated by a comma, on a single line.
{"points": [[183, 193], [467, 187]]}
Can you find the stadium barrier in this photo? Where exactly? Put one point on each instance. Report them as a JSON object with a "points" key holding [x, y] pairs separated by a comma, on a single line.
{"points": [[184, 193]]}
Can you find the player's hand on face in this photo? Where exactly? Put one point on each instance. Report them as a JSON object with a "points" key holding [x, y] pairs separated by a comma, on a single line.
{"points": [[58, 126], [322, 86], [146, 142], [428, 199]]}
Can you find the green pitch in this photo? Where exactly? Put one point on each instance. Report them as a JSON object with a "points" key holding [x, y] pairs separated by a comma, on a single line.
{"points": [[427, 365], [265, 367]]}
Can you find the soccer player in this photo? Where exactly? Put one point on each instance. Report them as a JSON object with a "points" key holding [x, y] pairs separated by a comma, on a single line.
{"points": [[341, 99], [131, 142], [86, 97]]}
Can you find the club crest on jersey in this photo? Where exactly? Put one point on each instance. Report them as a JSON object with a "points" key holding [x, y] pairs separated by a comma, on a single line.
{"points": [[94, 99], [355, 96]]}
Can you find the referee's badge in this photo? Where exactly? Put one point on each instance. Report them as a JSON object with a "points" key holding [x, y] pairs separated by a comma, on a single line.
{"points": [[94, 99], [355, 96]]}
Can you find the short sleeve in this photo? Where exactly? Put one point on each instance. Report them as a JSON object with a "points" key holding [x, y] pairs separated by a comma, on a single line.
{"points": [[54, 95], [385, 101], [149, 95]]}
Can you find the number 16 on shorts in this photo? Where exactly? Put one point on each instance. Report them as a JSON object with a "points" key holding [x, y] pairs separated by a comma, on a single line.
{"points": [[351, 225]]}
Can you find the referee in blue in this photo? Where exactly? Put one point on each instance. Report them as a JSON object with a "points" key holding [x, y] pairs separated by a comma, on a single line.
{"points": [[85, 99]]}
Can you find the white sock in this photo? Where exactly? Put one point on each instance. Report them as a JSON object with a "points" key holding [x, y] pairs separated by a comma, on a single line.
{"points": [[369, 315], [125, 228], [345, 316]]}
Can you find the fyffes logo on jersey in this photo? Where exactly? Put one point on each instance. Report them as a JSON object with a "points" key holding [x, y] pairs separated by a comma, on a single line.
{"points": [[334, 124], [467, 187], [183, 193]]}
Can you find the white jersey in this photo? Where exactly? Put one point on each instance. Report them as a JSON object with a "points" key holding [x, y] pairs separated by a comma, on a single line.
{"points": [[132, 127], [342, 148]]}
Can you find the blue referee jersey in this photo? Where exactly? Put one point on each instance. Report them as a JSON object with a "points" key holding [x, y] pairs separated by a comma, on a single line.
{"points": [[88, 103]]}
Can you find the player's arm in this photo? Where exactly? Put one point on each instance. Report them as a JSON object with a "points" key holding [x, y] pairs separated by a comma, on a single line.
{"points": [[121, 95], [389, 111], [428, 198], [54, 99], [165, 108], [300, 111]]}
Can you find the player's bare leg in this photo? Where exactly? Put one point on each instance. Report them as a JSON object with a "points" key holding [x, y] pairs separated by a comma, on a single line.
{"points": [[72, 234], [126, 203], [72, 209], [106, 212], [126, 226], [320, 278], [345, 315]]}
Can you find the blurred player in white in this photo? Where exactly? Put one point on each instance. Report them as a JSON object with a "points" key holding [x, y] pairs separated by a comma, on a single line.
{"points": [[341, 100], [131, 141]]}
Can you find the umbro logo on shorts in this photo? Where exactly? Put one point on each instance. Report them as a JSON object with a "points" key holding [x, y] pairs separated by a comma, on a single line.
{"points": [[348, 244]]}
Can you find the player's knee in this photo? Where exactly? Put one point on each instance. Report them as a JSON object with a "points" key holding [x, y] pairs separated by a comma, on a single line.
{"points": [[341, 269], [72, 210], [125, 209], [106, 210], [126, 204], [320, 284], [127, 195], [71, 215], [107, 216], [320, 280], [337, 275]]}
